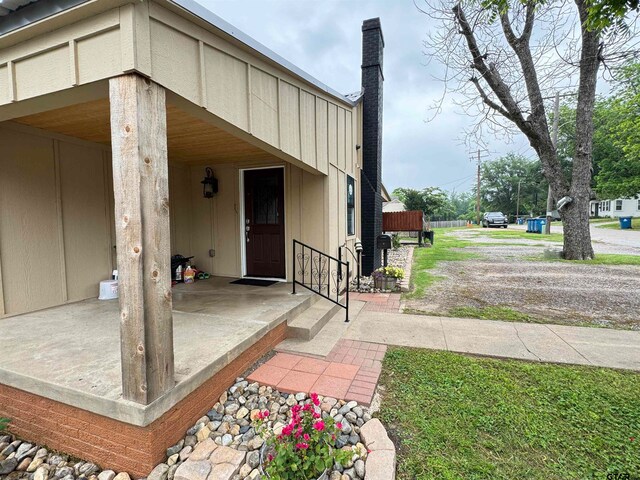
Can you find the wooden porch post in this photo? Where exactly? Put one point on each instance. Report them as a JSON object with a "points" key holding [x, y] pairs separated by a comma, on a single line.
{"points": [[141, 193]]}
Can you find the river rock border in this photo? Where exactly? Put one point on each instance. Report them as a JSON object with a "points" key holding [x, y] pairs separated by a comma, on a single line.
{"points": [[223, 444]]}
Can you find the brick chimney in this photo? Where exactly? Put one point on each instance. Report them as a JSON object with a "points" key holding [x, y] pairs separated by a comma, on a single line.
{"points": [[371, 176]]}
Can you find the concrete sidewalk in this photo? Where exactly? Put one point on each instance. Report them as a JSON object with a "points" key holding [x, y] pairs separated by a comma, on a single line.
{"points": [[527, 341]]}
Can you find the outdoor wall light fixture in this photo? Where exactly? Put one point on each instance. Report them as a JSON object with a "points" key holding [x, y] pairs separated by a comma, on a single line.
{"points": [[209, 184]]}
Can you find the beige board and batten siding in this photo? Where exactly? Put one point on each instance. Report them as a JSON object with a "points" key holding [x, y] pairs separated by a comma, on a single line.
{"points": [[249, 92], [55, 224], [77, 54]]}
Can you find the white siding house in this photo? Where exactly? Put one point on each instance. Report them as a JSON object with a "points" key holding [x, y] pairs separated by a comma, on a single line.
{"points": [[620, 207], [394, 205]]}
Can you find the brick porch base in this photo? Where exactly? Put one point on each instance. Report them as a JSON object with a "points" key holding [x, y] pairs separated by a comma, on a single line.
{"points": [[113, 444]]}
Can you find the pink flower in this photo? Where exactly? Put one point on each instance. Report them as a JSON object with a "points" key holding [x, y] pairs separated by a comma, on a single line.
{"points": [[306, 437], [316, 415], [269, 457], [319, 426], [263, 415], [314, 399], [339, 426], [302, 446]]}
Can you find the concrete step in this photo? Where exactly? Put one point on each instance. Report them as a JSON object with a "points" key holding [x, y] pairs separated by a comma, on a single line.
{"points": [[308, 323], [322, 344]]}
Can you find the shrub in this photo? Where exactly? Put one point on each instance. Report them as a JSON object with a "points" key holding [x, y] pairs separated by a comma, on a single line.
{"points": [[395, 272], [4, 423]]}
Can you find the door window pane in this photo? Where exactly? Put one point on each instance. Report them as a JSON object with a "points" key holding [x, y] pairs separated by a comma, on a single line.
{"points": [[265, 201]]}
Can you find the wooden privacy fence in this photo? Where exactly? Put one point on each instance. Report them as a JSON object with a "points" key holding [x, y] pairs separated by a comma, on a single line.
{"points": [[411, 221]]}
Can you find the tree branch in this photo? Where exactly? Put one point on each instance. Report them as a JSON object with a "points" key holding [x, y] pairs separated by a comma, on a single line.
{"points": [[490, 74], [490, 103]]}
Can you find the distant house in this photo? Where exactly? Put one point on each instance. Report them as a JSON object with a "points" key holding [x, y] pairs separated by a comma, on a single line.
{"points": [[620, 207], [394, 205]]}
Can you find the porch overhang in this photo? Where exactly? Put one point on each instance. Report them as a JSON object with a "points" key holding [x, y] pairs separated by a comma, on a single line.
{"points": [[208, 69], [194, 136]]}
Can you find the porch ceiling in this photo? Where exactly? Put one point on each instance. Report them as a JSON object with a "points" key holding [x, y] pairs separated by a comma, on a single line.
{"points": [[189, 139]]}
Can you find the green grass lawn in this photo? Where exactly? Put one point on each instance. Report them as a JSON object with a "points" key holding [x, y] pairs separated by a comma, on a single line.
{"points": [[600, 220], [425, 259], [459, 417], [635, 223], [506, 234], [490, 313], [601, 259]]}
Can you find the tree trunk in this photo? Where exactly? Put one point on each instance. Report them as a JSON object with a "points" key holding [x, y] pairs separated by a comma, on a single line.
{"points": [[577, 237], [575, 216]]}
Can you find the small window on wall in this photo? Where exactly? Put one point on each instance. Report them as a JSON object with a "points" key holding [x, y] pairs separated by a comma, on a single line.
{"points": [[351, 206], [618, 205], [638, 204]]}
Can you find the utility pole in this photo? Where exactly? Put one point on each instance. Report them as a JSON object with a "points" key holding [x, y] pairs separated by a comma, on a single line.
{"points": [[479, 160], [554, 139], [478, 193], [518, 201]]}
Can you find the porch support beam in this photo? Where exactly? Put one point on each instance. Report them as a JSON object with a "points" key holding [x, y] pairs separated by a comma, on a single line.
{"points": [[141, 193]]}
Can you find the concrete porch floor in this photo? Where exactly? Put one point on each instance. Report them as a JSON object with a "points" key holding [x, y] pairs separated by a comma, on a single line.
{"points": [[71, 353]]}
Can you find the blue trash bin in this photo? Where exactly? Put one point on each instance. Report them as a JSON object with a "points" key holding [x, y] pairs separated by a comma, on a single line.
{"points": [[520, 221], [535, 225], [541, 223], [625, 223]]}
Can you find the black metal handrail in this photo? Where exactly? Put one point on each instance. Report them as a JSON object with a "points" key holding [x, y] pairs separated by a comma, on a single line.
{"points": [[322, 274]]}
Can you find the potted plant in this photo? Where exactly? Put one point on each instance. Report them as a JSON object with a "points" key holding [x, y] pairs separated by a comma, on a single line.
{"points": [[385, 278], [305, 449]]}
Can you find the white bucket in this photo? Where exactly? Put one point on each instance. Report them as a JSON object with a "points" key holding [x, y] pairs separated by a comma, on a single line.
{"points": [[108, 289]]}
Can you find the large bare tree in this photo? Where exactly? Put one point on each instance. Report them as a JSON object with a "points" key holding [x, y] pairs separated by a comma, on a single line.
{"points": [[504, 58]]}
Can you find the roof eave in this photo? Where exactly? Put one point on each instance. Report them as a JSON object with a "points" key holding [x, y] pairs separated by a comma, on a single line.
{"points": [[194, 8]]}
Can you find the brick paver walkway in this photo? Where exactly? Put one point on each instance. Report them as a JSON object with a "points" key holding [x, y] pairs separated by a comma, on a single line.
{"points": [[351, 372], [378, 302]]}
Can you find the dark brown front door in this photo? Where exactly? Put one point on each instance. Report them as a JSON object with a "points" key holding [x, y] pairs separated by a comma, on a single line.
{"points": [[264, 222]]}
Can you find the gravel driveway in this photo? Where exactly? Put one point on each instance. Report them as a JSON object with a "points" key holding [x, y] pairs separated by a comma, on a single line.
{"points": [[551, 292]]}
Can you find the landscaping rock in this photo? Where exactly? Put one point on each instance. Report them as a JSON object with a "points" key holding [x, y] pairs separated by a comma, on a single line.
{"points": [[24, 464], [193, 470], [381, 465], [159, 473], [375, 436], [176, 448], [223, 445], [107, 475], [9, 465], [41, 473], [122, 476]]}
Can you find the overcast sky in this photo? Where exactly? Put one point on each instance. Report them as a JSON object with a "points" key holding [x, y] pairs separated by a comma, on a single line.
{"points": [[324, 39]]}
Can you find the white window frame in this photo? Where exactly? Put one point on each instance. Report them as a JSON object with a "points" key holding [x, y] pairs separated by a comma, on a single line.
{"points": [[618, 204], [346, 200]]}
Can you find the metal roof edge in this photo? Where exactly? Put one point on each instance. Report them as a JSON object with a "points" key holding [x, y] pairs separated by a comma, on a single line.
{"points": [[34, 12], [211, 18]]}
